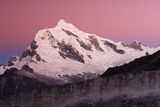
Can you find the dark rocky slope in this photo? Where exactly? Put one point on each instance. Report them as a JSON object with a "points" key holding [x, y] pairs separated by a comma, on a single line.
{"points": [[14, 81], [136, 84], [146, 63]]}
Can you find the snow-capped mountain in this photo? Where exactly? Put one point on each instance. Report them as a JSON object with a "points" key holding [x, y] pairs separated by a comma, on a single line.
{"points": [[65, 51]]}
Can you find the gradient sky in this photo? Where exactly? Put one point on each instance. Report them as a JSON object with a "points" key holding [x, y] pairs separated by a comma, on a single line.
{"points": [[118, 20]]}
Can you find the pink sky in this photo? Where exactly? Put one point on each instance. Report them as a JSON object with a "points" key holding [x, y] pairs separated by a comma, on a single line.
{"points": [[118, 20]]}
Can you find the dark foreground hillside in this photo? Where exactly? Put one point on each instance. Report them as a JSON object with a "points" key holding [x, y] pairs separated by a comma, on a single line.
{"points": [[146, 63], [136, 84]]}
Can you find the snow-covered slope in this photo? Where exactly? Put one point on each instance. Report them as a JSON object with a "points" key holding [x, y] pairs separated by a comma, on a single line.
{"points": [[66, 51], [2, 69]]}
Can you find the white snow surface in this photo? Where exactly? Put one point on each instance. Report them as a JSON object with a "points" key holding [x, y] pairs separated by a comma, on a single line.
{"points": [[55, 65]]}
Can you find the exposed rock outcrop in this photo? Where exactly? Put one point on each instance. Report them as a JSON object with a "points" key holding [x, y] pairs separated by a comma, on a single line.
{"points": [[114, 47], [68, 51]]}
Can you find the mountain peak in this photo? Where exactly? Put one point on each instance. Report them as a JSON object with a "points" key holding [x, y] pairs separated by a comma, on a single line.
{"points": [[66, 50], [136, 43], [62, 22]]}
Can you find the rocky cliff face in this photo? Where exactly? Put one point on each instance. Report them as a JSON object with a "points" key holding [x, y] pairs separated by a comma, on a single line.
{"points": [[122, 89]]}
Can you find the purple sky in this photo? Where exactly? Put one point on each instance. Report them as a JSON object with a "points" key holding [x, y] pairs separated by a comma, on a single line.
{"points": [[118, 20]]}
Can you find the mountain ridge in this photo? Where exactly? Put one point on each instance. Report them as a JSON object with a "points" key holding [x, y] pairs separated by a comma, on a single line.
{"points": [[65, 50]]}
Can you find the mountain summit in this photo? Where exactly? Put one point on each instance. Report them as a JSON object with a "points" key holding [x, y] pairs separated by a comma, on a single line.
{"points": [[66, 53]]}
